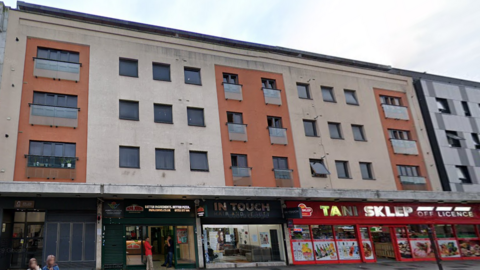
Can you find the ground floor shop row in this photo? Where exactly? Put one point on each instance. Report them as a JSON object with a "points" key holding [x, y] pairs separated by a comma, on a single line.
{"points": [[111, 234]]}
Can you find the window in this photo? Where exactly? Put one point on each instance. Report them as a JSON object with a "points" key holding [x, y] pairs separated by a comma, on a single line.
{"points": [[327, 94], [162, 113], [192, 76], [395, 101], [239, 161], [351, 97], [128, 67], [453, 138], [366, 169], [198, 161], [310, 128], [195, 117], [303, 91], [463, 175], [165, 159], [54, 100], [335, 132], [51, 149], [235, 118], [358, 134], [58, 55], [280, 163], [442, 105], [317, 168], [274, 122], [269, 83], [342, 169], [230, 78], [128, 110], [129, 157], [466, 109], [412, 171], [161, 72], [465, 231], [476, 140], [399, 134]]}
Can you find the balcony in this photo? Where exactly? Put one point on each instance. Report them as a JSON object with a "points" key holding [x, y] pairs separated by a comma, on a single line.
{"points": [[56, 69], [272, 96], [233, 91], [237, 132], [51, 167], [278, 135], [283, 178], [413, 183], [395, 112], [242, 176], [405, 147], [53, 116]]}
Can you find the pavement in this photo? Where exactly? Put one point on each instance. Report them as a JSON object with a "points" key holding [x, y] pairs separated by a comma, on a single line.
{"points": [[447, 265]]}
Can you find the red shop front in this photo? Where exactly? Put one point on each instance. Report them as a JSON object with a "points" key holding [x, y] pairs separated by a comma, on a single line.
{"points": [[353, 232]]}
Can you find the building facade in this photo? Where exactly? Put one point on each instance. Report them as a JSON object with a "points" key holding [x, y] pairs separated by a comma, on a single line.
{"points": [[144, 132]]}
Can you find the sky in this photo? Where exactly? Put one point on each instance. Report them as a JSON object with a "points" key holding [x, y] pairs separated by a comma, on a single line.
{"points": [[435, 36]]}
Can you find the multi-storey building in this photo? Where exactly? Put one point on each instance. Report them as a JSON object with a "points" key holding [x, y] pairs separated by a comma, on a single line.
{"points": [[117, 131], [451, 113]]}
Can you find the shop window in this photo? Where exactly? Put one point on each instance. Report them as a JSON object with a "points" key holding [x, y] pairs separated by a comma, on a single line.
{"points": [[243, 243], [444, 231], [347, 245], [418, 231], [301, 243], [465, 231], [323, 232]]}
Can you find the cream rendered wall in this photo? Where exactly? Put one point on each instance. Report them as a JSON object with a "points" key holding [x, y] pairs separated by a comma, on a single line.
{"points": [[107, 132]]}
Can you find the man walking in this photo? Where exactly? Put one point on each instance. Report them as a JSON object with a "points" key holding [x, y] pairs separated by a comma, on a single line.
{"points": [[148, 253], [169, 249]]}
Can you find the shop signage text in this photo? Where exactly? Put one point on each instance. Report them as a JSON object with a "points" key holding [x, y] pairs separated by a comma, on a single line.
{"points": [[223, 206], [25, 204], [241, 209], [295, 212], [113, 209], [168, 208], [134, 208]]}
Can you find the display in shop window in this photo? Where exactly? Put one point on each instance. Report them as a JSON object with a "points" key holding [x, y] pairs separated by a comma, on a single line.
{"points": [[182, 236], [325, 251], [348, 250], [404, 248], [469, 248], [422, 249], [448, 248], [264, 239], [368, 250], [302, 251]]}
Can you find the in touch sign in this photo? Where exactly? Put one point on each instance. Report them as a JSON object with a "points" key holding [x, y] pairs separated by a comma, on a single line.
{"points": [[385, 211]]}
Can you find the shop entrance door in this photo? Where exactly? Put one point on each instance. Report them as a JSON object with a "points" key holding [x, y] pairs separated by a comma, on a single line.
{"points": [[382, 241], [135, 250]]}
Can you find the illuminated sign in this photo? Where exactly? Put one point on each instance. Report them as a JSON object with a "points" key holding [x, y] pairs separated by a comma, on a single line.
{"points": [[243, 209], [306, 211], [168, 208], [134, 208]]}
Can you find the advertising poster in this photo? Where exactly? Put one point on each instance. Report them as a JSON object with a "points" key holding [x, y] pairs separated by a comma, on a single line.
{"points": [[325, 251], [348, 250], [422, 249], [264, 239], [182, 236], [448, 248], [368, 250], [404, 248], [302, 251], [254, 238], [469, 248]]}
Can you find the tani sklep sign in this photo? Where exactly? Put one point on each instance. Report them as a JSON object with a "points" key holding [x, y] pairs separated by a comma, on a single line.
{"points": [[243, 209]]}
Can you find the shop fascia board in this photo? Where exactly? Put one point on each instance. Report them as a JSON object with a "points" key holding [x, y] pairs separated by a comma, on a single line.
{"points": [[193, 192]]}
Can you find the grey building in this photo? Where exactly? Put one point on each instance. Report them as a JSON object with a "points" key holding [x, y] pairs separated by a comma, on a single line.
{"points": [[451, 112]]}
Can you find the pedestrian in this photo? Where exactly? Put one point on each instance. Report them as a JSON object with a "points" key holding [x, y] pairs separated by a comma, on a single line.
{"points": [[51, 265], [169, 249], [33, 265], [148, 253]]}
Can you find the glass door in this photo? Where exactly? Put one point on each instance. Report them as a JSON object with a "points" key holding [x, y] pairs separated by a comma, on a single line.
{"points": [[184, 244], [402, 243], [368, 254], [27, 238], [135, 251]]}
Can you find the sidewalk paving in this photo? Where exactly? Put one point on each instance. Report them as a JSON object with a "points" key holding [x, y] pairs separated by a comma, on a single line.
{"points": [[447, 265]]}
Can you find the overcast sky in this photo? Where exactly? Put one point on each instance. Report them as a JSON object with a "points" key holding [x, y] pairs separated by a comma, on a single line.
{"points": [[437, 36]]}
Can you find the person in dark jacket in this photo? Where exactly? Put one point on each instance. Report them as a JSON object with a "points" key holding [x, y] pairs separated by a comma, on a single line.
{"points": [[33, 265], [169, 249], [51, 265]]}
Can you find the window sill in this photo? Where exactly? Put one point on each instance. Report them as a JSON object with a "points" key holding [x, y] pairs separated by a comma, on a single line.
{"points": [[305, 98], [369, 179], [162, 80], [199, 170], [329, 101], [344, 178], [196, 125], [129, 167], [129, 119], [160, 169], [159, 122], [128, 76], [360, 140], [353, 104], [199, 84], [313, 136], [337, 138]]}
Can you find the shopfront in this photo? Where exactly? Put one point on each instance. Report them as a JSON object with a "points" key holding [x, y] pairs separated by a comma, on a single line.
{"points": [[128, 223], [343, 232], [243, 232], [38, 227]]}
